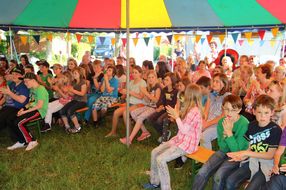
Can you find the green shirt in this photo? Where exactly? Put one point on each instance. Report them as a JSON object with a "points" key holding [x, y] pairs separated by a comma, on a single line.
{"points": [[37, 94], [236, 142], [45, 80]]}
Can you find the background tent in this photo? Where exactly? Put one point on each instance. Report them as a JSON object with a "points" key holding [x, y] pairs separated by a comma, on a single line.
{"points": [[147, 14]]}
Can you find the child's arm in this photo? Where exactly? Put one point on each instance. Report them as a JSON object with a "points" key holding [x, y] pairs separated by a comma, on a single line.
{"points": [[212, 122], [36, 107], [206, 108], [82, 91], [242, 155], [277, 157], [19, 98], [154, 98]]}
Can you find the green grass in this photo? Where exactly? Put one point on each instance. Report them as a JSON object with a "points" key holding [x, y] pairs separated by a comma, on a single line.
{"points": [[82, 161]]}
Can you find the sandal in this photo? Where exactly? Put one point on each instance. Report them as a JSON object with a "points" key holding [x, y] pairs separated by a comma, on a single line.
{"points": [[144, 136], [74, 130]]}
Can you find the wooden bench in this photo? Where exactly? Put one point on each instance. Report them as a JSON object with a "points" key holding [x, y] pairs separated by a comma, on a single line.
{"points": [[201, 155], [37, 123]]}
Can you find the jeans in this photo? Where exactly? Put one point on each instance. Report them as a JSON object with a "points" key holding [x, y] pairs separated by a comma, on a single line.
{"points": [[156, 120], [70, 108], [208, 136], [218, 163], [238, 177], [90, 101], [277, 182]]}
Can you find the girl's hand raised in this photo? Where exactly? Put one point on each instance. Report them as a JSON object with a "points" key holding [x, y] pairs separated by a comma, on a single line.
{"points": [[173, 113]]}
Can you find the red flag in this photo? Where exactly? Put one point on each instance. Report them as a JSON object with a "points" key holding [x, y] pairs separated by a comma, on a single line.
{"points": [[124, 40], [261, 34], [78, 37], [209, 38]]}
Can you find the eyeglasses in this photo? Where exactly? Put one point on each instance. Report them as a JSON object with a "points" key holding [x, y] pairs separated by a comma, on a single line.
{"points": [[229, 110]]}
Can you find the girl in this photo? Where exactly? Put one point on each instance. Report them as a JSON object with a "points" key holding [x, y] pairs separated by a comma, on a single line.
{"points": [[181, 68], [241, 85], [79, 90], [136, 98], [72, 64], [109, 90], [168, 98], [279, 73], [189, 123], [61, 88], [161, 69], [151, 96], [201, 71], [146, 67], [227, 66], [120, 76], [213, 109]]}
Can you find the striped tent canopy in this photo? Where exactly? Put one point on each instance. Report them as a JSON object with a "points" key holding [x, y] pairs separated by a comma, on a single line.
{"points": [[144, 14]]}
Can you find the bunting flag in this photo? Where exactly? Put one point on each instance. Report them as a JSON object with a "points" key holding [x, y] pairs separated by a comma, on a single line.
{"points": [[176, 37], [235, 37], [221, 38], [250, 42], [78, 37], [209, 38], [193, 39], [272, 42], [90, 39], [124, 40], [158, 39], [240, 42], [274, 31], [203, 40], [50, 37], [248, 35], [198, 37], [113, 40], [261, 43], [146, 39], [137, 34], [68, 36], [102, 40], [261, 34], [135, 41], [170, 37], [37, 38], [24, 39]]}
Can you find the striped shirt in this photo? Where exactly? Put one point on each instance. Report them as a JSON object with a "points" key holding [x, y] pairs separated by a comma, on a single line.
{"points": [[189, 133]]}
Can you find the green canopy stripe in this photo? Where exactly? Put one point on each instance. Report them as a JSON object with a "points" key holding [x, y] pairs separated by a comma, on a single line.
{"points": [[238, 12], [50, 13]]}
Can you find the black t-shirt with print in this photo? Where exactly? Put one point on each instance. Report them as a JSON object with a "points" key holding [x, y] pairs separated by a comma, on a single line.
{"points": [[168, 98], [262, 138]]}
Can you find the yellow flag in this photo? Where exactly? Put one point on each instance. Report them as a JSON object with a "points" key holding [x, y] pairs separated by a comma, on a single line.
{"points": [[176, 37], [24, 39], [113, 41], [158, 39], [90, 39], [274, 31], [248, 36], [198, 37], [221, 38], [135, 41], [50, 37], [250, 42], [193, 39], [272, 42]]}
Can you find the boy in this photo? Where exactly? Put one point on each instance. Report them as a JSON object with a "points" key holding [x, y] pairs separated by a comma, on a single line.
{"points": [[44, 77], [263, 136], [231, 130], [36, 108], [205, 84]]}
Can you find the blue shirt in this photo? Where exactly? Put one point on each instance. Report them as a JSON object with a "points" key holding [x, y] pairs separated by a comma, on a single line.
{"points": [[21, 89], [114, 84]]}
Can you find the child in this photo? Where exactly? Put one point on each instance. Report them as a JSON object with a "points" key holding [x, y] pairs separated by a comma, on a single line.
{"points": [[109, 89], [201, 71], [136, 98], [205, 84], [168, 98], [231, 130], [213, 110], [189, 123], [37, 108], [151, 96], [276, 181], [45, 77], [79, 90], [263, 136]]}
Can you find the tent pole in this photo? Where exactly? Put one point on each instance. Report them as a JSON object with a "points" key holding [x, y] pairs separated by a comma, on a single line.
{"points": [[284, 41], [128, 70], [225, 42], [172, 52], [11, 48]]}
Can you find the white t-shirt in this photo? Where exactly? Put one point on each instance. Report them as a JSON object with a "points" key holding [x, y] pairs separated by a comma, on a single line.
{"points": [[136, 88]]}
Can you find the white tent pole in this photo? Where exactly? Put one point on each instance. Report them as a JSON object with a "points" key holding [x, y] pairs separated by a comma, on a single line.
{"points": [[225, 42], [284, 41], [11, 48], [128, 70], [172, 45]]}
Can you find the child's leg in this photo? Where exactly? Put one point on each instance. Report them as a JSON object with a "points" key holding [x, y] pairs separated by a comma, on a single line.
{"points": [[208, 136], [154, 175], [155, 122], [52, 108], [208, 169], [117, 113], [131, 108], [168, 155], [238, 177], [63, 113], [257, 181], [90, 103], [72, 112]]}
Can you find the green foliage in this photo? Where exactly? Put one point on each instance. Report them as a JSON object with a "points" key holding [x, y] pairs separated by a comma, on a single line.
{"points": [[74, 49], [156, 53], [38, 54]]}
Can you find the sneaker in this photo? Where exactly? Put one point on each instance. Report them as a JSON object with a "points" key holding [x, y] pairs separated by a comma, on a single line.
{"points": [[74, 130], [150, 186], [16, 146], [179, 164], [160, 140], [32, 145], [46, 128], [166, 136]]}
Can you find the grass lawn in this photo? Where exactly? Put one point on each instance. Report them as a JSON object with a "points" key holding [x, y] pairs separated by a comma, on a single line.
{"points": [[82, 161]]}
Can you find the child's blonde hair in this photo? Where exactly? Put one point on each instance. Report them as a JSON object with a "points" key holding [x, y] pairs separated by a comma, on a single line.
{"points": [[193, 98], [282, 87], [151, 72]]}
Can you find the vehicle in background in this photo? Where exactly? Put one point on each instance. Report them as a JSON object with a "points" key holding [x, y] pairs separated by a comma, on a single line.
{"points": [[103, 50]]}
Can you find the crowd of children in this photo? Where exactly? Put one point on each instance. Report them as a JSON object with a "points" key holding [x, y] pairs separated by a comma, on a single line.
{"points": [[244, 110]]}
